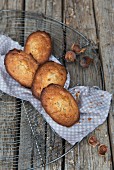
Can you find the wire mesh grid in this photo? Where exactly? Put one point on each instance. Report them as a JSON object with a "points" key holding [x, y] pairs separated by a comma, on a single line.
{"points": [[46, 146]]}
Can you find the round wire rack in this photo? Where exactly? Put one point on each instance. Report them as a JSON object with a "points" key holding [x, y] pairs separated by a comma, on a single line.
{"points": [[27, 141]]}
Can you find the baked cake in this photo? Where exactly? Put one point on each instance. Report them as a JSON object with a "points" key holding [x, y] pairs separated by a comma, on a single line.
{"points": [[60, 105], [39, 45], [48, 73], [21, 66]]}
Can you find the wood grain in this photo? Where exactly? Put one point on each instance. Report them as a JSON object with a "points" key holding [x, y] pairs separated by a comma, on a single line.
{"points": [[28, 148], [9, 131], [111, 128], [81, 16], [104, 14], [9, 106], [29, 155], [26, 143], [95, 19], [53, 9], [11, 4]]}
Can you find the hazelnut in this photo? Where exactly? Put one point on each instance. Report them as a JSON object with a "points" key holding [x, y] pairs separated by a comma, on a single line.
{"points": [[85, 61], [83, 50], [102, 150], [93, 141], [76, 48], [70, 56]]}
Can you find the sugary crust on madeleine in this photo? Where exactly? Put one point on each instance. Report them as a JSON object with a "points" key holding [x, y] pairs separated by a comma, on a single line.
{"points": [[21, 66], [60, 105], [39, 45], [48, 73]]}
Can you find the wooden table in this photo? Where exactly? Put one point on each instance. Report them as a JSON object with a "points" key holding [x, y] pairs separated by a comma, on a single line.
{"points": [[95, 19]]}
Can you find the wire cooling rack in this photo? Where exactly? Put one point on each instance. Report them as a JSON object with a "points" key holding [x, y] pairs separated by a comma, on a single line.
{"points": [[20, 124]]}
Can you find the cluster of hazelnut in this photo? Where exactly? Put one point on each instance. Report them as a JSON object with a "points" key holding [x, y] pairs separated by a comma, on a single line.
{"points": [[75, 51], [102, 149]]}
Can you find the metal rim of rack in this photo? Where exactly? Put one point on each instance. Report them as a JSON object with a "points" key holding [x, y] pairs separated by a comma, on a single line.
{"points": [[34, 16]]}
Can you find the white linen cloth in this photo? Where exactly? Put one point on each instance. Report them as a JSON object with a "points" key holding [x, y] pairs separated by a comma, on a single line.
{"points": [[94, 103]]}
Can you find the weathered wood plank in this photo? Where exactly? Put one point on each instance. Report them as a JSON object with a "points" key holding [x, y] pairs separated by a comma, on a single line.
{"points": [[12, 4], [104, 12], [29, 155], [53, 149], [9, 131], [26, 143], [10, 107], [111, 127], [81, 16], [48, 8], [54, 10], [35, 6], [33, 160]]}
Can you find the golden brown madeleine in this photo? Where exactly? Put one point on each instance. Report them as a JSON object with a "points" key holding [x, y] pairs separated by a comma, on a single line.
{"points": [[39, 45], [48, 73], [21, 66], [60, 105]]}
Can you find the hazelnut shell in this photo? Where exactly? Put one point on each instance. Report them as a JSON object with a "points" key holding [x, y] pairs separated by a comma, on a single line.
{"points": [[70, 56], [102, 149], [93, 141], [76, 48], [85, 61]]}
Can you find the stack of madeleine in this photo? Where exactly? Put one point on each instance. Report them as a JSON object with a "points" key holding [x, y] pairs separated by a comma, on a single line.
{"points": [[46, 79]]}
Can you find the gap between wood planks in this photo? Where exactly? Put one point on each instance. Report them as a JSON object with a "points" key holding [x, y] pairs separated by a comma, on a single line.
{"points": [[17, 136]]}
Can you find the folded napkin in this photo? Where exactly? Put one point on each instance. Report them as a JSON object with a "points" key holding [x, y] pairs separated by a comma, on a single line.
{"points": [[94, 103]]}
